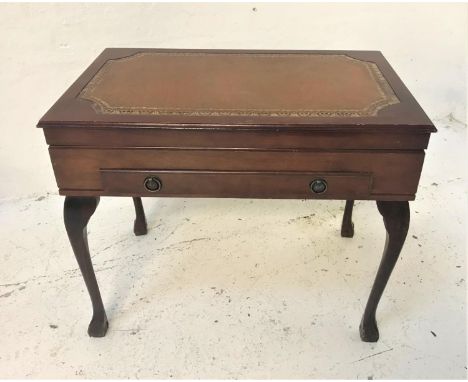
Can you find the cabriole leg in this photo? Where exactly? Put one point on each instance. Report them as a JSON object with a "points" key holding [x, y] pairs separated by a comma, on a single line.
{"points": [[139, 226], [347, 226], [396, 217], [77, 212]]}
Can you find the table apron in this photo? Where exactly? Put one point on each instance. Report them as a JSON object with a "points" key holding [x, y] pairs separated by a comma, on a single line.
{"points": [[350, 174]]}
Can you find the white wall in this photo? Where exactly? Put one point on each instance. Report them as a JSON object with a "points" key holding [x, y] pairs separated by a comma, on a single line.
{"points": [[44, 47]]}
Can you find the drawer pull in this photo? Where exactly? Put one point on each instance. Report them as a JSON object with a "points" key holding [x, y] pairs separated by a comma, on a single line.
{"points": [[153, 184], [318, 186]]}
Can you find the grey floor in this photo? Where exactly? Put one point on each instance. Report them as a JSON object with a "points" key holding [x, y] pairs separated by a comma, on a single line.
{"points": [[239, 288]]}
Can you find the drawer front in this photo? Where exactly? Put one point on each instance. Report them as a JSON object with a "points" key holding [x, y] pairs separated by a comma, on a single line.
{"points": [[394, 174], [302, 185]]}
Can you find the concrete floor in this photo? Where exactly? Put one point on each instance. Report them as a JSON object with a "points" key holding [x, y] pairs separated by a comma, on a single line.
{"points": [[239, 288]]}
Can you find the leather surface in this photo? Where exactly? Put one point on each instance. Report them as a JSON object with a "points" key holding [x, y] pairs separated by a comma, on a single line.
{"points": [[237, 84]]}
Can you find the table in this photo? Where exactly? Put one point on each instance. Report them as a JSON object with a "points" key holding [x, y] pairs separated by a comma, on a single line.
{"points": [[238, 124]]}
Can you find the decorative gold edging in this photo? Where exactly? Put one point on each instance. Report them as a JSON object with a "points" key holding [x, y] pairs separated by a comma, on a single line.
{"points": [[101, 106]]}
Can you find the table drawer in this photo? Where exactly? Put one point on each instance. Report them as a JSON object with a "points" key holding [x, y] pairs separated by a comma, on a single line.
{"points": [[83, 171], [284, 185]]}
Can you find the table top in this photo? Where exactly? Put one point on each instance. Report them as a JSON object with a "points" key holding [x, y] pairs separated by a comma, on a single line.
{"points": [[221, 88]]}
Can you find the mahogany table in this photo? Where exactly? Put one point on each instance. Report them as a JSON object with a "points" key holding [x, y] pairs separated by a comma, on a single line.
{"points": [[238, 124]]}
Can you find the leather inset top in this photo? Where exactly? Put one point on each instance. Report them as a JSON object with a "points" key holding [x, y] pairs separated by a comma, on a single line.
{"points": [[239, 84]]}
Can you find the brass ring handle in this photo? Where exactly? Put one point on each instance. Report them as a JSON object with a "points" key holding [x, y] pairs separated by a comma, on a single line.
{"points": [[153, 184], [318, 186]]}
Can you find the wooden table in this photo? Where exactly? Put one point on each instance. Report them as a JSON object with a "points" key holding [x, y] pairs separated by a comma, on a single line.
{"points": [[238, 124]]}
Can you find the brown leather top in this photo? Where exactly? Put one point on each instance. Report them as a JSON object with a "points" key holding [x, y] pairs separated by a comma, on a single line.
{"points": [[239, 84], [237, 88]]}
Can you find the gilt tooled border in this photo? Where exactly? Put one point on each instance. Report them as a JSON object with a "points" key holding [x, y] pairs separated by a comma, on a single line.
{"points": [[388, 97]]}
